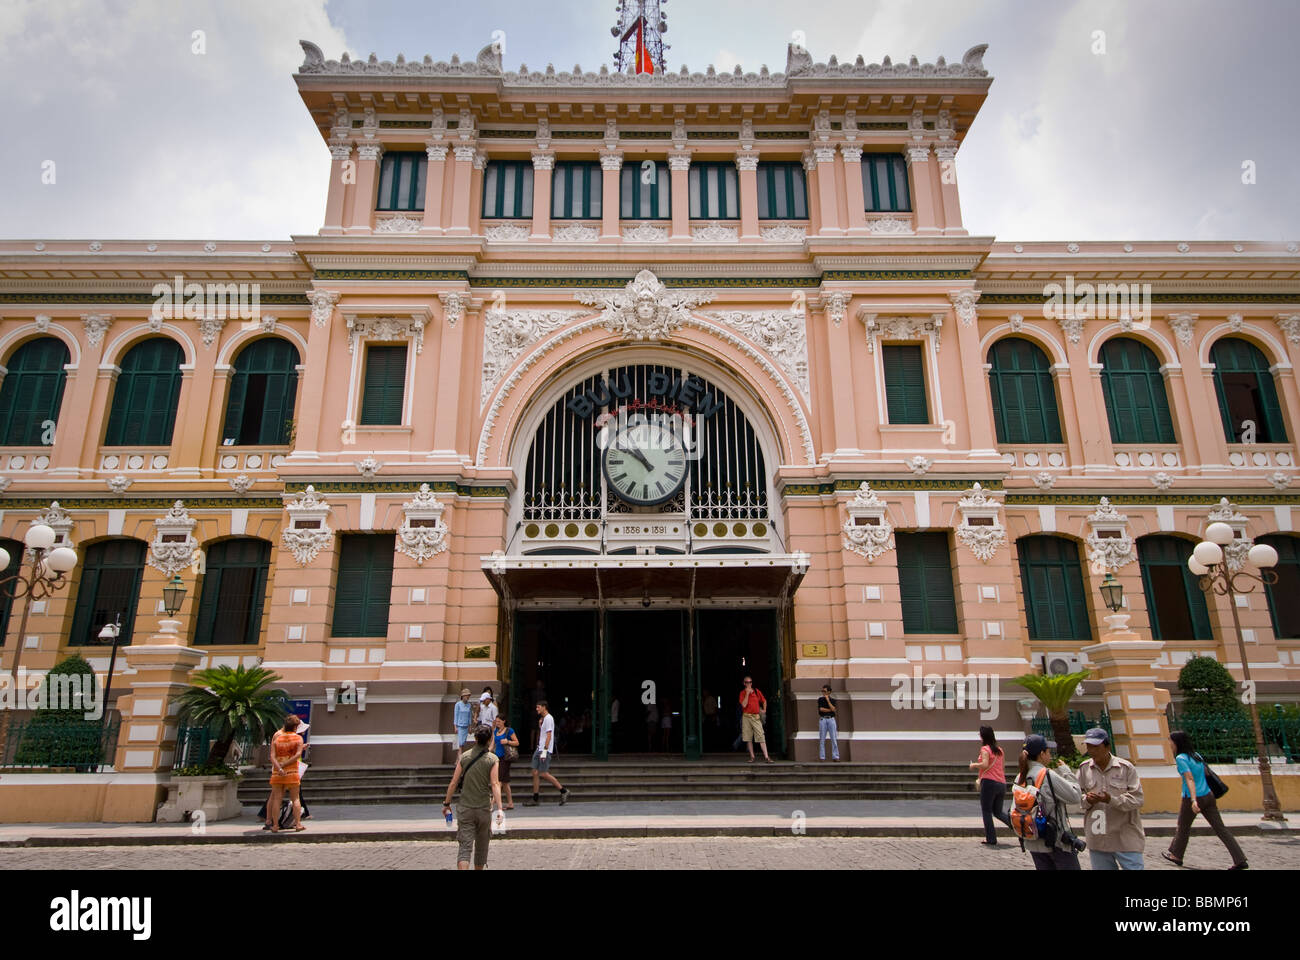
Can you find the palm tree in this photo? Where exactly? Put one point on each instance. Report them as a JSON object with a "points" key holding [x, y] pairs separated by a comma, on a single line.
{"points": [[237, 702], [1054, 692]]}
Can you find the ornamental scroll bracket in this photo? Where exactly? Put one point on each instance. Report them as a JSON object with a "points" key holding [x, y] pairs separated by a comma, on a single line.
{"points": [[867, 531], [423, 534], [173, 544], [645, 310], [1109, 544], [308, 531], [981, 528]]}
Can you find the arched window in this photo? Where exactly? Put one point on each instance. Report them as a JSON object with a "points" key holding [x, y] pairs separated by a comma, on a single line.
{"points": [[234, 585], [109, 585], [1175, 603], [1051, 576], [1024, 398], [33, 392], [1246, 392], [1134, 389], [147, 392], [1284, 596], [262, 393], [6, 597]]}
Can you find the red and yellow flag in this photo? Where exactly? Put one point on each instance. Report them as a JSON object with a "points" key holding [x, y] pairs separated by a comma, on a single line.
{"points": [[643, 62]]}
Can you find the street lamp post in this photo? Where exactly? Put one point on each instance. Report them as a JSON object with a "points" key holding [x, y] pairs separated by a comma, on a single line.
{"points": [[1207, 562], [48, 566], [111, 632]]}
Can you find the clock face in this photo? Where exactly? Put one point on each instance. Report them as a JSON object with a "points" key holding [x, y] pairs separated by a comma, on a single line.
{"points": [[645, 464]]}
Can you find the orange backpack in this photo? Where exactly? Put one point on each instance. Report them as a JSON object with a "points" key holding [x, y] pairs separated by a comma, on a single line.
{"points": [[1026, 806]]}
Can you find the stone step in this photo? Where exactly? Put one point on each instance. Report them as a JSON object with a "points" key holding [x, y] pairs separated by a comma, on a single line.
{"points": [[434, 798]]}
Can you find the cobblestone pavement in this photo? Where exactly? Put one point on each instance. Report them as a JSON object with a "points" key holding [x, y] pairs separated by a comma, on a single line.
{"points": [[705, 853]]}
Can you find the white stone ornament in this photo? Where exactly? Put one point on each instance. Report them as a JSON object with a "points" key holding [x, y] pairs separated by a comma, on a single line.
{"points": [[386, 328], [322, 306], [423, 534], [398, 225], [646, 233], [209, 329], [60, 521], [981, 528], [1235, 322], [368, 467], [782, 334], [784, 233], [715, 232], [963, 302], [508, 333], [575, 233], [241, 484], [1290, 325], [268, 323], [173, 546], [42, 322], [887, 226], [97, 325], [1044, 480], [901, 328], [645, 310], [867, 531], [308, 531], [837, 305], [1162, 480], [506, 233], [1183, 323], [1235, 550], [119, 484], [919, 465], [453, 306], [1072, 327], [1016, 322], [1109, 545], [1279, 480]]}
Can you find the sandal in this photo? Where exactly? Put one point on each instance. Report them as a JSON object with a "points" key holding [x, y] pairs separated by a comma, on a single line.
{"points": [[299, 829], [751, 760], [1171, 858]]}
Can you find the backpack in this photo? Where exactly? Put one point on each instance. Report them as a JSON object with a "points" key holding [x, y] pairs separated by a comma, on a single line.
{"points": [[1027, 814]]}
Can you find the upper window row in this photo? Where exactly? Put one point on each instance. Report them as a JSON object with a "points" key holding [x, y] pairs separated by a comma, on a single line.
{"points": [[644, 188]]}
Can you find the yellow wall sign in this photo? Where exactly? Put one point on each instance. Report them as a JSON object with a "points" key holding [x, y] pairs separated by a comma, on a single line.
{"points": [[815, 650], [476, 653]]}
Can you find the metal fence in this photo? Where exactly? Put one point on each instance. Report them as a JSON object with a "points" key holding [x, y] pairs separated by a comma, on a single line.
{"points": [[1079, 723], [44, 742], [1228, 737], [194, 744]]}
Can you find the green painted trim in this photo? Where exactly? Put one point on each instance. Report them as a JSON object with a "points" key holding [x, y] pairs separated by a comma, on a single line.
{"points": [[279, 299], [404, 487], [843, 485], [404, 124], [577, 134], [1244, 498], [1288, 298], [391, 275], [142, 503]]}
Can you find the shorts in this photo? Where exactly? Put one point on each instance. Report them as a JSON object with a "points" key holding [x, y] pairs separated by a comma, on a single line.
{"points": [[751, 728], [503, 770], [473, 833], [539, 764]]}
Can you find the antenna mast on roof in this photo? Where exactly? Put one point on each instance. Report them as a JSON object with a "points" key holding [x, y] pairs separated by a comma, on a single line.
{"points": [[640, 29]]}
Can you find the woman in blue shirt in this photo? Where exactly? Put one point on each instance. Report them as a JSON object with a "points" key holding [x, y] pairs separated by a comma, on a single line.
{"points": [[1197, 798]]}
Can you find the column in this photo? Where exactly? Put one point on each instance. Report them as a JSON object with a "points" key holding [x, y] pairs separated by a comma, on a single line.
{"points": [[824, 160], [75, 448], [313, 386], [611, 164], [464, 170], [434, 177], [146, 742], [927, 204], [679, 166], [363, 194], [340, 155], [747, 166], [979, 414], [1069, 413], [197, 395], [855, 204], [839, 355], [543, 166], [1091, 423], [947, 157], [450, 397]]}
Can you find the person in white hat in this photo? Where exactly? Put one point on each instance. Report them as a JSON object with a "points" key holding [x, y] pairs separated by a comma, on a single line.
{"points": [[487, 711]]}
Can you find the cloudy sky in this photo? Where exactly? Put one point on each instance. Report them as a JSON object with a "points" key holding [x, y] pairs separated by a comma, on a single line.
{"points": [[150, 139]]}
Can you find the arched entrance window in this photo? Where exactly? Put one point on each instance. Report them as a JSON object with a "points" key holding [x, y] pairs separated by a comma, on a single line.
{"points": [[1175, 602], [146, 395], [1136, 403], [1247, 393], [1051, 575], [15, 550], [1024, 397], [109, 585], [262, 393], [1284, 596], [32, 392], [234, 585]]}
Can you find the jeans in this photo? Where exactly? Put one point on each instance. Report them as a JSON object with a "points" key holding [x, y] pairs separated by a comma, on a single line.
{"points": [[993, 795], [1209, 810], [1115, 859], [1056, 860], [826, 727]]}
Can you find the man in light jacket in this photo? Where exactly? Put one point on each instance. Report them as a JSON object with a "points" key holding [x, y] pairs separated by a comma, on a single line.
{"points": [[1059, 790], [1112, 801]]}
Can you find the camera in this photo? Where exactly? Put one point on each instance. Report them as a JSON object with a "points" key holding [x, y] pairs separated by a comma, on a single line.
{"points": [[1070, 842]]}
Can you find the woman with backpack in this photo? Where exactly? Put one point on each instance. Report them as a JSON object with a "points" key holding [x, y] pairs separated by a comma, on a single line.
{"points": [[992, 785], [1197, 798], [1039, 815]]}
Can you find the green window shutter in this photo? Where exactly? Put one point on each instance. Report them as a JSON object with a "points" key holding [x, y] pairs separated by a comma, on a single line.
{"points": [[1283, 596], [364, 588], [905, 384], [32, 392], [1176, 605], [1024, 397], [235, 407], [925, 583], [1051, 577], [382, 395], [262, 392], [1252, 393], [15, 550], [108, 584], [146, 395], [1137, 406], [209, 597], [234, 586]]}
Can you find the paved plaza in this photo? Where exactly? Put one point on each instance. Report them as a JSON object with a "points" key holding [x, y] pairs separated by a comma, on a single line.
{"points": [[669, 853]]}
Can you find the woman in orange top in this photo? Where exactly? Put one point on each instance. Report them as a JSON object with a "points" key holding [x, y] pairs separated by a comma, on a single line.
{"points": [[286, 749]]}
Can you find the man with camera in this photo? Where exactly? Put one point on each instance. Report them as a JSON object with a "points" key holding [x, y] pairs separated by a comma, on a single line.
{"points": [[1112, 799], [1053, 846]]}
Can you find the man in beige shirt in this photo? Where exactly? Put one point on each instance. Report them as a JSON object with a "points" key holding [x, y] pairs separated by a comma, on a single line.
{"points": [[1112, 801]]}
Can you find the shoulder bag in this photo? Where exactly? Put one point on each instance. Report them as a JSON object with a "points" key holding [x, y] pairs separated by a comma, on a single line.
{"points": [[1212, 779]]}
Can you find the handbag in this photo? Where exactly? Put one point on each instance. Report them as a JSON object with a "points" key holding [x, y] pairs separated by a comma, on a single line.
{"points": [[1213, 780], [512, 753]]}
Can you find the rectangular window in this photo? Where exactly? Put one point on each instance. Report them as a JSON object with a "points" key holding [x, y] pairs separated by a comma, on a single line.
{"points": [[925, 583], [384, 386], [365, 585], [644, 192], [714, 194], [905, 383], [401, 180], [576, 191], [782, 192], [508, 190], [884, 183]]}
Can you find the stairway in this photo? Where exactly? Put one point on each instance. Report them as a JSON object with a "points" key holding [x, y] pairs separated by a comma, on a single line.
{"points": [[648, 778]]}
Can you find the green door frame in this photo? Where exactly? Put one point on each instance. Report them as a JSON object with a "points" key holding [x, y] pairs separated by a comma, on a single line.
{"points": [[692, 741], [778, 681], [600, 666]]}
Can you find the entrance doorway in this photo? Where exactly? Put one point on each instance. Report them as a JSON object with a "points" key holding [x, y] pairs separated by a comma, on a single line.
{"points": [[553, 659], [645, 679], [733, 643]]}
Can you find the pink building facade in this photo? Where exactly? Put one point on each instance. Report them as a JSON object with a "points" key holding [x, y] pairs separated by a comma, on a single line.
{"points": [[620, 388]]}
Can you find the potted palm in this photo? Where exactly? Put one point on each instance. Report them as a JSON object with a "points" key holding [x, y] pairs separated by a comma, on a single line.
{"points": [[1054, 691], [233, 703]]}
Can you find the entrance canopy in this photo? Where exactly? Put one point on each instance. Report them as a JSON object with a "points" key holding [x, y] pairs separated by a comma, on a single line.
{"points": [[767, 579]]}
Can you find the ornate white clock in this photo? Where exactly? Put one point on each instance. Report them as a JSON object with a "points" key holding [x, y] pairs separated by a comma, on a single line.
{"points": [[645, 464]]}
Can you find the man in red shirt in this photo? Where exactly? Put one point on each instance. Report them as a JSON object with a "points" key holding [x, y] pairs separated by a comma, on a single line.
{"points": [[753, 711]]}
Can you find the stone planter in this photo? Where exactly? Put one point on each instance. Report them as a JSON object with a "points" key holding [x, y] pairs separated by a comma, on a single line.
{"points": [[214, 797]]}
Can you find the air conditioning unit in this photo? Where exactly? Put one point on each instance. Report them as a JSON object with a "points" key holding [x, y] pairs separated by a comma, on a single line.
{"points": [[1061, 663]]}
